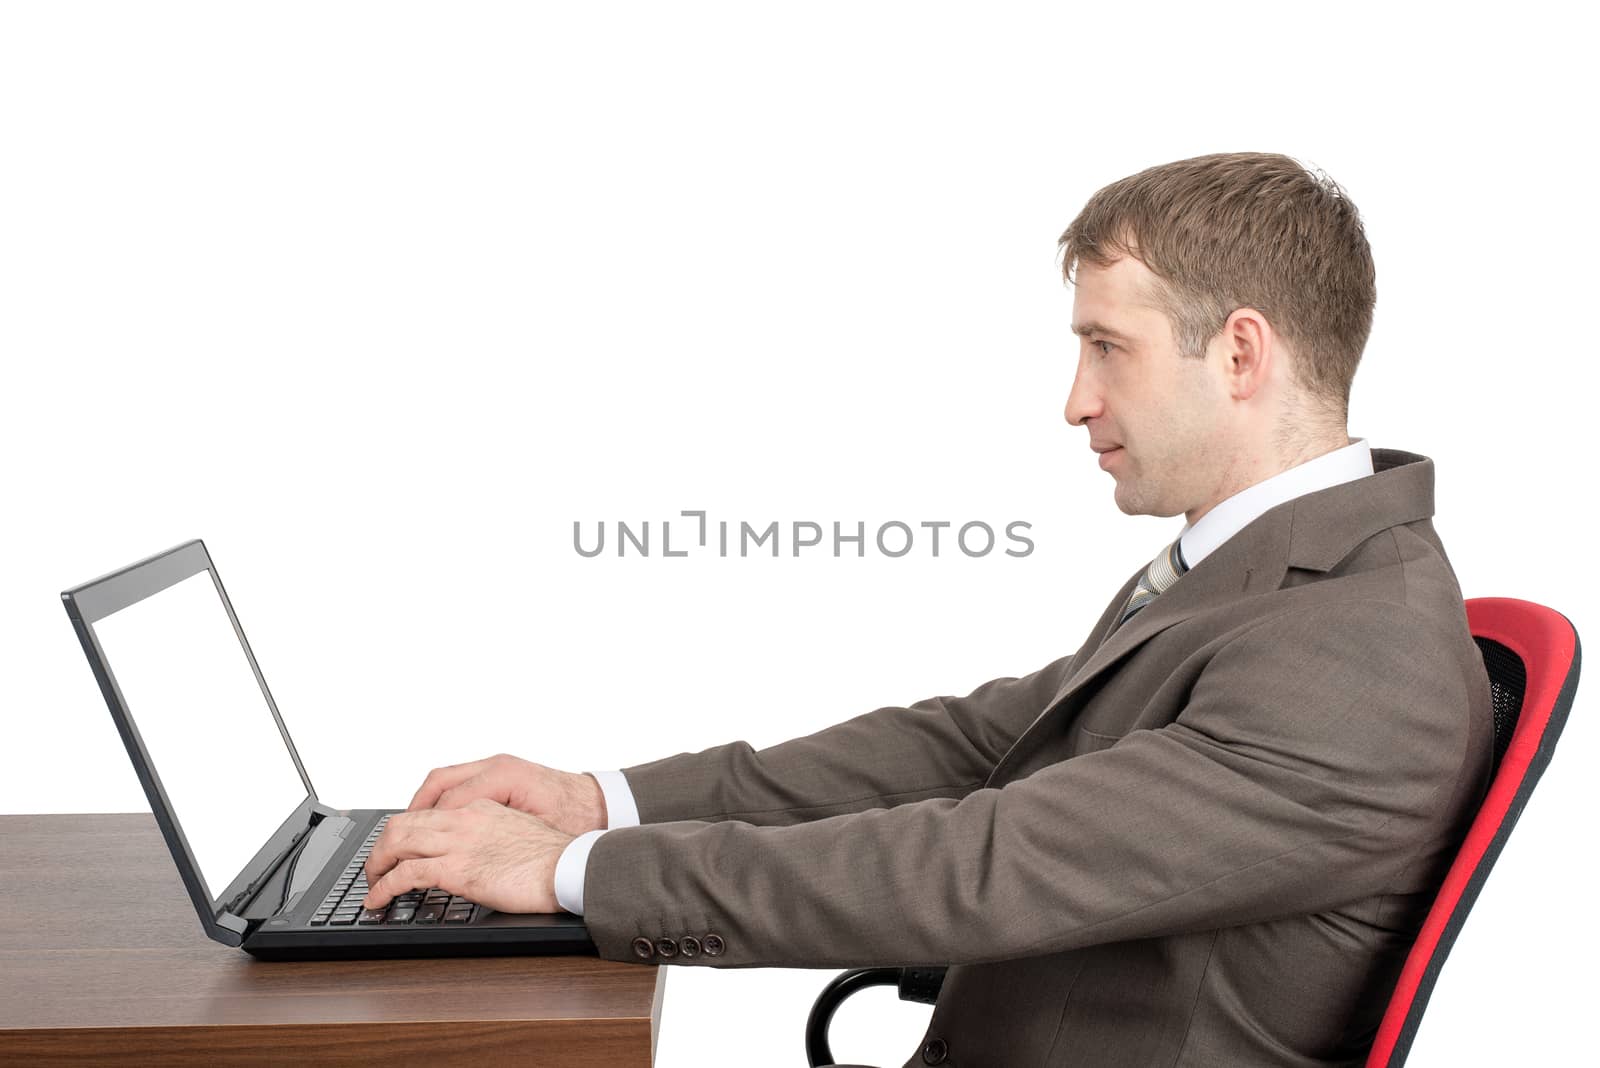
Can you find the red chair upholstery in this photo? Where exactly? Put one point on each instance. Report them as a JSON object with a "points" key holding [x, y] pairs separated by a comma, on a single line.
{"points": [[1532, 656]]}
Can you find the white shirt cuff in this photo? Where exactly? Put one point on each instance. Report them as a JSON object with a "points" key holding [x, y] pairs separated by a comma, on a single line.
{"points": [[621, 811], [570, 869]]}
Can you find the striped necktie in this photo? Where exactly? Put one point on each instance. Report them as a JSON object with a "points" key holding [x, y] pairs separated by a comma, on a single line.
{"points": [[1163, 571]]}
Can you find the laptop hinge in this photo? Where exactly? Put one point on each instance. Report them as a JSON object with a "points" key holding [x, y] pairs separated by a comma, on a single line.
{"points": [[296, 871], [244, 897], [233, 927]]}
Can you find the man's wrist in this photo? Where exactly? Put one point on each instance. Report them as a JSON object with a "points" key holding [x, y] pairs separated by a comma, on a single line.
{"points": [[597, 802]]}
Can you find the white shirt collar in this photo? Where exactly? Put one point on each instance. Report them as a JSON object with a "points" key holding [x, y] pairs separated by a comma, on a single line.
{"points": [[1345, 464]]}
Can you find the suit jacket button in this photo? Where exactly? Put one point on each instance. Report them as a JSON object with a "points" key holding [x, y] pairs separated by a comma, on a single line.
{"points": [[712, 945], [667, 947], [689, 946], [643, 947], [934, 1051]]}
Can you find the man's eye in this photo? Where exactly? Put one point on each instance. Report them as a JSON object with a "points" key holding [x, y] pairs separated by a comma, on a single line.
{"points": [[1108, 344]]}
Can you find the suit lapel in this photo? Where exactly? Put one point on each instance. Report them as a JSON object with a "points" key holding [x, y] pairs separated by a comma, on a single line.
{"points": [[1313, 531], [1252, 560]]}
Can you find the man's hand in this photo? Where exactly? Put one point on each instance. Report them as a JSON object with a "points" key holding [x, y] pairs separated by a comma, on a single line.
{"points": [[485, 852], [565, 800]]}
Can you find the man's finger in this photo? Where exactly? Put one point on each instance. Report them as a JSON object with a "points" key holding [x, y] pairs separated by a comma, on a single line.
{"points": [[418, 874], [464, 793], [408, 835], [441, 779]]}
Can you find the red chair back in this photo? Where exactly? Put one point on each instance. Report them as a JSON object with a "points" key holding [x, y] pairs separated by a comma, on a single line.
{"points": [[1532, 657]]}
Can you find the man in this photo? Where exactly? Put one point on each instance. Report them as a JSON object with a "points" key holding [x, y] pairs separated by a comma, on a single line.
{"points": [[1207, 837]]}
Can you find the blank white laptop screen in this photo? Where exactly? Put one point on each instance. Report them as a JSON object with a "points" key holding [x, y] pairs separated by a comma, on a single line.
{"points": [[206, 725]]}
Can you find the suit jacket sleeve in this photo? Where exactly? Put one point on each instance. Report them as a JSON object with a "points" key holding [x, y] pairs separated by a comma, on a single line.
{"points": [[1317, 755], [937, 747]]}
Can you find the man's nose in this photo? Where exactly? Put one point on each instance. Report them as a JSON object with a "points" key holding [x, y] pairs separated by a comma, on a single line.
{"points": [[1083, 400]]}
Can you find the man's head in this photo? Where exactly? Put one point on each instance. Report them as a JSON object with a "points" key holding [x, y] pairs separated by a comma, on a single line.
{"points": [[1222, 304]]}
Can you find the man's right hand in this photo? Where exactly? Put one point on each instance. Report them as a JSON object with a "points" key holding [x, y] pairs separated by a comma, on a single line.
{"points": [[568, 801]]}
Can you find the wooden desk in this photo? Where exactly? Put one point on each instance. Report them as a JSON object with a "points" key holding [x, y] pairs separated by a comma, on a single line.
{"points": [[102, 958]]}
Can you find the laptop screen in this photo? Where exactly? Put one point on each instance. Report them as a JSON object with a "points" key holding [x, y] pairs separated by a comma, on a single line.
{"points": [[205, 722]]}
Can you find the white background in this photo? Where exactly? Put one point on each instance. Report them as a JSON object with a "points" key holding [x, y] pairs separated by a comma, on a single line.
{"points": [[379, 299]]}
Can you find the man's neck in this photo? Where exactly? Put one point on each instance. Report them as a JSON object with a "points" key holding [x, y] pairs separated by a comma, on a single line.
{"points": [[1278, 467]]}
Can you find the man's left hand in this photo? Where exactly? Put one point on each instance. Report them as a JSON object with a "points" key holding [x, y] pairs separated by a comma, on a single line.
{"points": [[483, 851]]}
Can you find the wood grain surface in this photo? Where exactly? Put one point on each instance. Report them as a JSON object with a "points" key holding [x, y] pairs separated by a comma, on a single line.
{"points": [[102, 956]]}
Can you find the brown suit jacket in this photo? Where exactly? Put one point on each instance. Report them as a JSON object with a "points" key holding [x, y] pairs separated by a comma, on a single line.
{"points": [[1208, 837]]}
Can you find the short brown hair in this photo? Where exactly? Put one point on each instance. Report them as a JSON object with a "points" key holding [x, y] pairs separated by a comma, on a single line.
{"points": [[1243, 229]]}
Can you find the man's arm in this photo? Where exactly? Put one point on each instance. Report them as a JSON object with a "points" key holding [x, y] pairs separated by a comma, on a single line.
{"points": [[1319, 754], [937, 747]]}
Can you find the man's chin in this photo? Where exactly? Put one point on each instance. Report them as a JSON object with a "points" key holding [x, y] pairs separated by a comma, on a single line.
{"points": [[1131, 503]]}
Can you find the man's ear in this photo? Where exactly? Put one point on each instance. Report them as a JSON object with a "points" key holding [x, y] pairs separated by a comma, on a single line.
{"points": [[1249, 352]]}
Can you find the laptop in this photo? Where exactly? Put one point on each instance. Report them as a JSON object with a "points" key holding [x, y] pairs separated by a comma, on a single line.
{"points": [[270, 868]]}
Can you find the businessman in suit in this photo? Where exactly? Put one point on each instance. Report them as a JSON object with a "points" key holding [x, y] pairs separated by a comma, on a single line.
{"points": [[1206, 837]]}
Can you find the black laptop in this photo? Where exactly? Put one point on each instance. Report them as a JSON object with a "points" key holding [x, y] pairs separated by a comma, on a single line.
{"points": [[270, 868]]}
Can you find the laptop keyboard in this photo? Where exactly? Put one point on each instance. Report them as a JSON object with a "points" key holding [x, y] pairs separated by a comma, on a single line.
{"points": [[342, 906]]}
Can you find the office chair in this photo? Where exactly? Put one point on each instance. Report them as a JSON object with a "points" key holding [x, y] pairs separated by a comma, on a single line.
{"points": [[1532, 656]]}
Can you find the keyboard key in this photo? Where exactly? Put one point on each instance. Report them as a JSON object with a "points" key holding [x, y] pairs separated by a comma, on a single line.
{"points": [[370, 916], [458, 914], [342, 920], [436, 897], [429, 914], [400, 914], [318, 920]]}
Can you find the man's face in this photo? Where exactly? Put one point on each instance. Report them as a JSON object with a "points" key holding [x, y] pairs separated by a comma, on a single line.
{"points": [[1167, 416]]}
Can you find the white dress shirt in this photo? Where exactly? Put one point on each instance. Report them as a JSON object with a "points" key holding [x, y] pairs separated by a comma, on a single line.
{"points": [[1196, 541], [621, 811]]}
